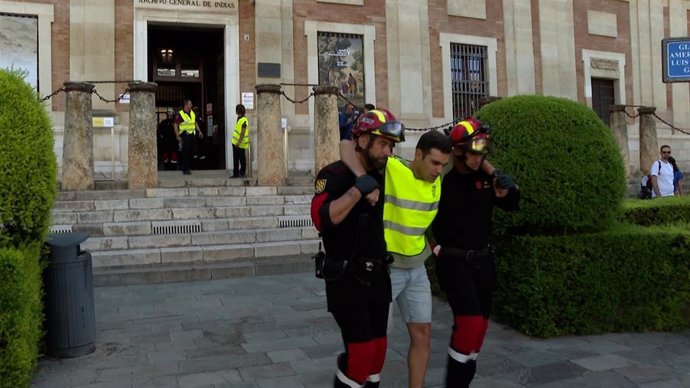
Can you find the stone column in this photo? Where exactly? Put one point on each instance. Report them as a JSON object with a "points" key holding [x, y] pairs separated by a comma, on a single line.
{"points": [[77, 151], [270, 157], [620, 131], [326, 127], [649, 147], [142, 158]]}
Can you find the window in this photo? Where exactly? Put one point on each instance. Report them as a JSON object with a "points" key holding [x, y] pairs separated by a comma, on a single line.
{"points": [[468, 77], [19, 47], [341, 63]]}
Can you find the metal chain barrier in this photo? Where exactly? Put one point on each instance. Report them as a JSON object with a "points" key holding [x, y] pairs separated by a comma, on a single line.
{"points": [[671, 125], [297, 101], [51, 94], [94, 91]]}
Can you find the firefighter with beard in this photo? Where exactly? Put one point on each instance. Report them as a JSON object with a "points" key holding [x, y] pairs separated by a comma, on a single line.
{"points": [[464, 258], [358, 288]]}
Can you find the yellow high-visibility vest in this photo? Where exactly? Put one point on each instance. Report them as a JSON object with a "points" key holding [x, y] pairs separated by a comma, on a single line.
{"points": [[189, 123], [409, 208], [238, 130]]}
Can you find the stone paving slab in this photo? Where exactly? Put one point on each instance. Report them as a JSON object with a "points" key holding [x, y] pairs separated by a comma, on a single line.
{"points": [[274, 331]]}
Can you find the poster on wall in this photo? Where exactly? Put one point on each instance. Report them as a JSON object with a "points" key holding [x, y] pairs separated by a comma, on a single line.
{"points": [[19, 46], [341, 63]]}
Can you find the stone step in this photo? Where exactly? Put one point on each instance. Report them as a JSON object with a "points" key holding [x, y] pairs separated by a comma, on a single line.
{"points": [[229, 253], [201, 271], [176, 193], [70, 216], [143, 228], [181, 202], [279, 236]]}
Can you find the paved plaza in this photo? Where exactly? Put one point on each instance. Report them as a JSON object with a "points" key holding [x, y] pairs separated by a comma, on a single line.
{"points": [[274, 331]]}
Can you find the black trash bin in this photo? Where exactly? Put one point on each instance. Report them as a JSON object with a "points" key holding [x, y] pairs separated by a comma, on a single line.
{"points": [[70, 318]]}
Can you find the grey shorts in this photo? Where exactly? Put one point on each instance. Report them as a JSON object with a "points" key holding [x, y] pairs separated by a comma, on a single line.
{"points": [[412, 293]]}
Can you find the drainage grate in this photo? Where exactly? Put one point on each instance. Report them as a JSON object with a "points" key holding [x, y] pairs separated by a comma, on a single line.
{"points": [[295, 222], [176, 229], [61, 229]]}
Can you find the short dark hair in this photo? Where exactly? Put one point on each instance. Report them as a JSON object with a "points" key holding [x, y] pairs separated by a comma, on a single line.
{"points": [[240, 109], [664, 146], [369, 106], [434, 139]]}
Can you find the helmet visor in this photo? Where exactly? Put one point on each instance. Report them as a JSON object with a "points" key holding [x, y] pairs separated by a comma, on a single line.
{"points": [[393, 129], [479, 145]]}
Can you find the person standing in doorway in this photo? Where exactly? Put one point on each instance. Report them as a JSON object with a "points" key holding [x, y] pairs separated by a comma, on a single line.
{"points": [[240, 143], [169, 145], [185, 129]]}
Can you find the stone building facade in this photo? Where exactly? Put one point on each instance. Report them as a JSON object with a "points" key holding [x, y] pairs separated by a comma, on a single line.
{"points": [[428, 61]]}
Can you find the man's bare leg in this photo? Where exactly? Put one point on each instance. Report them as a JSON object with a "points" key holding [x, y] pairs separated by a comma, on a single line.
{"points": [[418, 354]]}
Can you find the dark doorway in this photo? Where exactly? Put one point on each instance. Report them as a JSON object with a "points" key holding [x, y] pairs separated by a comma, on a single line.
{"points": [[603, 97], [187, 62]]}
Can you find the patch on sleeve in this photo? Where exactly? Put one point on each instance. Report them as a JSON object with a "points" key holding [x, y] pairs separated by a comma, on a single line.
{"points": [[320, 185]]}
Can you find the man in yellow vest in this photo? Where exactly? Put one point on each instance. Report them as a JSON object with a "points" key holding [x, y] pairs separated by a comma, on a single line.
{"points": [[240, 143], [412, 193], [185, 129]]}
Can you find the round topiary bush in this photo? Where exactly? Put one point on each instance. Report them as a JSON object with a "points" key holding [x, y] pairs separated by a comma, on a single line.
{"points": [[27, 191], [565, 160]]}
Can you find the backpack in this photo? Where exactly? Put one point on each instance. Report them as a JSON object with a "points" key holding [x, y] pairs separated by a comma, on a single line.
{"points": [[646, 187]]}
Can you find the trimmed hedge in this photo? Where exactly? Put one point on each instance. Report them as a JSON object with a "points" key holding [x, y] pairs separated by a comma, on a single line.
{"points": [[28, 167], [668, 210], [28, 186], [565, 160], [20, 315], [629, 278]]}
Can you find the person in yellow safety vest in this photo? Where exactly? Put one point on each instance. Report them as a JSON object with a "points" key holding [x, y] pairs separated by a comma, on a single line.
{"points": [[412, 193], [240, 143], [185, 128]]}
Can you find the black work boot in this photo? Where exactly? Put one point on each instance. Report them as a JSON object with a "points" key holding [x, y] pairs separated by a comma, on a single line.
{"points": [[458, 374]]}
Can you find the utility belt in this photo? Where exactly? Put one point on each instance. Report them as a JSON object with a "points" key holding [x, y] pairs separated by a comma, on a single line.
{"points": [[473, 257], [364, 269]]}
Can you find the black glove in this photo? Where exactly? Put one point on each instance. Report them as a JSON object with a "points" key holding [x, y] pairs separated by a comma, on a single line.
{"points": [[366, 184], [504, 181]]}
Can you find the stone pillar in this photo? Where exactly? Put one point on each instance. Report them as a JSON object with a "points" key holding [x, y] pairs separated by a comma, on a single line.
{"points": [[77, 151], [649, 147], [142, 158], [326, 127], [270, 157], [620, 131]]}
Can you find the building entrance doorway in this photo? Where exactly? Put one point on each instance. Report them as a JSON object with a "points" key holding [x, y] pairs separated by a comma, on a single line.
{"points": [[187, 62]]}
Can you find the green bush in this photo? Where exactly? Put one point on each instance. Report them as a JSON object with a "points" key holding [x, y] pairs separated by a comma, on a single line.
{"points": [[27, 191], [628, 278], [668, 210], [27, 163], [20, 315], [564, 159]]}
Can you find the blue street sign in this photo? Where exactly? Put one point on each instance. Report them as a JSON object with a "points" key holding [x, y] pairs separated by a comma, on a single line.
{"points": [[676, 59]]}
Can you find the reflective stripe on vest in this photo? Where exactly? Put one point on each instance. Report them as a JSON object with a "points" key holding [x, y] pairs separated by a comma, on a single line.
{"points": [[238, 131], [409, 208], [188, 125]]}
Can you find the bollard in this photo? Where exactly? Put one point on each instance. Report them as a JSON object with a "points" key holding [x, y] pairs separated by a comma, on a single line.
{"points": [[270, 154], [620, 131], [77, 149], [327, 130], [142, 155], [649, 147]]}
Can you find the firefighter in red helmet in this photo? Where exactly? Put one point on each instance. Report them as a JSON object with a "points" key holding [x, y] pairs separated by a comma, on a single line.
{"points": [[358, 288], [464, 258]]}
